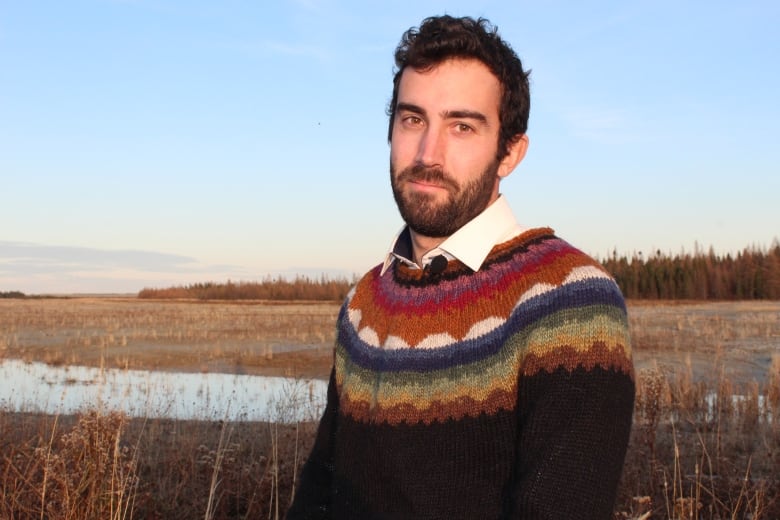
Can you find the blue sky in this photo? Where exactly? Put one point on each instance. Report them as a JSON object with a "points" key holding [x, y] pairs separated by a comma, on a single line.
{"points": [[149, 143]]}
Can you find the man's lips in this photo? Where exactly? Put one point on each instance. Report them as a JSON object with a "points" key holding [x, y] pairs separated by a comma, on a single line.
{"points": [[425, 184]]}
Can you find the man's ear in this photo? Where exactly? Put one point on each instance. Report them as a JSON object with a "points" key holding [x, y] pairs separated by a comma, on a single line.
{"points": [[517, 148]]}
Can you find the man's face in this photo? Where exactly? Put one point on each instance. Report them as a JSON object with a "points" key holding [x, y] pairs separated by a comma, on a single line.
{"points": [[443, 165]]}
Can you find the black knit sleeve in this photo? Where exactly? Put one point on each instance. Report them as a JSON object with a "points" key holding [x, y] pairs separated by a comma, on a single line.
{"points": [[313, 497], [574, 430]]}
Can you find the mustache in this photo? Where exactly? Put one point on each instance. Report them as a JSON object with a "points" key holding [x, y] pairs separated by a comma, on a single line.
{"points": [[433, 175]]}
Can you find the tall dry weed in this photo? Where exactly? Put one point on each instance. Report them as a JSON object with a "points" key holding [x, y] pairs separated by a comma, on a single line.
{"points": [[651, 388], [223, 450], [88, 473], [707, 449], [773, 385]]}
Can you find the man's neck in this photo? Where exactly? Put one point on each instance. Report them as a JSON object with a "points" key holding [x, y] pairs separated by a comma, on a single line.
{"points": [[421, 244]]}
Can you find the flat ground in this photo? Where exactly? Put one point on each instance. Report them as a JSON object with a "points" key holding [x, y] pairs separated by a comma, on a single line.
{"points": [[257, 338], [295, 339], [705, 339]]}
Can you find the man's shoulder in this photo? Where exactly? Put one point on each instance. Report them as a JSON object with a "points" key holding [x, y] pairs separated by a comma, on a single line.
{"points": [[540, 263], [540, 245]]}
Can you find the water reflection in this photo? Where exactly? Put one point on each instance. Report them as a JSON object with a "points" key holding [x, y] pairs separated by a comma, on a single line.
{"points": [[37, 387]]}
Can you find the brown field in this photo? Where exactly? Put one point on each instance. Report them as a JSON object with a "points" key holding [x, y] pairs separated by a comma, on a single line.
{"points": [[295, 339], [262, 338], [697, 451], [739, 338]]}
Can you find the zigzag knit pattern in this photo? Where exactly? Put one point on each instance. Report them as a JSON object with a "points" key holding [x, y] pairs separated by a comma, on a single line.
{"points": [[449, 349], [502, 393]]}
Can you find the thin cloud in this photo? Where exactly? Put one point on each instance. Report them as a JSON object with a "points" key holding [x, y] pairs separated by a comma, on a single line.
{"points": [[41, 268], [30, 257]]}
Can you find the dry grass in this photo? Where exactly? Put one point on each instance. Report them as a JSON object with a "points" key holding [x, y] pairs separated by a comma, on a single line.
{"points": [[104, 466], [702, 449], [703, 326], [247, 337], [706, 436], [705, 442], [695, 452], [84, 472]]}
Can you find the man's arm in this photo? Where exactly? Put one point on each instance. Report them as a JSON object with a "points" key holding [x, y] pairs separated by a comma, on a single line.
{"points": [[575, 421], [572, 444], [313, 497]]}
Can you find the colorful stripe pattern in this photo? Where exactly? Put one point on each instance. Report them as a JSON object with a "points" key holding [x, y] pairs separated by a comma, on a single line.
{"points": [[418, 348]]}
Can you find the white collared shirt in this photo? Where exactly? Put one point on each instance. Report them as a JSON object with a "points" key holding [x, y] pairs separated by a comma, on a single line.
{"points": [[471, 244]]}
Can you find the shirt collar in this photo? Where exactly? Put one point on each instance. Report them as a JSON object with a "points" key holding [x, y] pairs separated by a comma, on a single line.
{"points": [[471, 244]]}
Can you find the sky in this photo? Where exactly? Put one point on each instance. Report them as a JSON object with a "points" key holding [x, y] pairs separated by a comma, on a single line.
{"points": [[154, 143]]}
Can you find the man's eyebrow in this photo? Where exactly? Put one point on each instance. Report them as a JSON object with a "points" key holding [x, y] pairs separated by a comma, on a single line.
{"points": [[466, 114], [409, 107], [447, 114]]}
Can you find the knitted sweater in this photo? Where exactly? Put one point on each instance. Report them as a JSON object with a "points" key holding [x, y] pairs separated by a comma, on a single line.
{"points": [[502, 393]]}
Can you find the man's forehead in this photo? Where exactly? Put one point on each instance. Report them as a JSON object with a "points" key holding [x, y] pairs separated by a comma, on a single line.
{"points": [[451, 86]]}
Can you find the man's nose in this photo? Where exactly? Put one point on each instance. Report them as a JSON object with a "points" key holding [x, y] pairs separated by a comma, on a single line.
{"points": [[431, 147]]}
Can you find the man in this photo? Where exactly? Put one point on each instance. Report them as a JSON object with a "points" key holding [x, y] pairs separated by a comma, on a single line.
{"points": [[483, 370]]}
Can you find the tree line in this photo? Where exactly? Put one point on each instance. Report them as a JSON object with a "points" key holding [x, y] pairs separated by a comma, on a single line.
{"points": [[752, 274], [270, 288], [12, 294]]}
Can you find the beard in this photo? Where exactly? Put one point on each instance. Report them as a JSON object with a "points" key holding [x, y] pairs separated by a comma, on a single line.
{"points": [[421, 211]]}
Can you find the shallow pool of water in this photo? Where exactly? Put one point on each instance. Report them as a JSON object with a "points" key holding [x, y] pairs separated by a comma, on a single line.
{"points": [[38, 387]]}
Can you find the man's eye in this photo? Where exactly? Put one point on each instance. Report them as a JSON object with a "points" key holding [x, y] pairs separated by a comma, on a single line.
{"points": [[463, 128], [413, 120]]}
